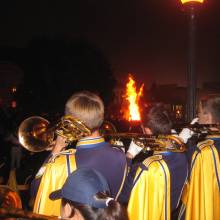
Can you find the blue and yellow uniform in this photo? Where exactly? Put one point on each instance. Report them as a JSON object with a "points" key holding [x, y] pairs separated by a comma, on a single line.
{"points": [[201, 197], [157, 186], [100, 155], [90, 152], [216, 139], [52, 176]]}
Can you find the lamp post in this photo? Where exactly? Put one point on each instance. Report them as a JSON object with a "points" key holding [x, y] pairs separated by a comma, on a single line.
{"points": [[190, 6]]}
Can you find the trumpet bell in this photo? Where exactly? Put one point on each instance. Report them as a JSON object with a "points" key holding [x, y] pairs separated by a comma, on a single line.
{"points": [[34, 135], [107, 128]]}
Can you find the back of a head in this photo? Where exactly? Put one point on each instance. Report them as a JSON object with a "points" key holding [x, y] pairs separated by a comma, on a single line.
{"points": [[114, 211], [211, 104], [87, 107], [157, 119]]}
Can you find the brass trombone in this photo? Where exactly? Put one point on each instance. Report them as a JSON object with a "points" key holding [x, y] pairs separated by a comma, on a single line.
{"points": [[150, 143], [36, 134]]}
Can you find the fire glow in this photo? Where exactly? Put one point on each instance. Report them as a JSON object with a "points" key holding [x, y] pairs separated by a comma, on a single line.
{"points": [[133, 97], [191, 1]]}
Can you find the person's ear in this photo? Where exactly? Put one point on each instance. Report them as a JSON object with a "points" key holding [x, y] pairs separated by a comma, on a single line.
{"points": [[207, 118], [204, 116], [210, 118]]}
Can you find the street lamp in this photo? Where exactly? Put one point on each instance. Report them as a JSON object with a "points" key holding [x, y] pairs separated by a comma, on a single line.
{"points": [[190, 6]]}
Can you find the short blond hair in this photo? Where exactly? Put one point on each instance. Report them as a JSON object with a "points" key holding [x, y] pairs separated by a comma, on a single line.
{"points": [[87, 107]]}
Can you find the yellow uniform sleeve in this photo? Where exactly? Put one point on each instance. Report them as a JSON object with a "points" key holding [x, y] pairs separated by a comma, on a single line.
{"points": [[55, 174], [150, 196], [201, 197]]}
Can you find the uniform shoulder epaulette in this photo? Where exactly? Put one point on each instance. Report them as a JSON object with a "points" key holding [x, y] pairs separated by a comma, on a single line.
{"points": [[205, 143], [57, 155], [151, 159]]}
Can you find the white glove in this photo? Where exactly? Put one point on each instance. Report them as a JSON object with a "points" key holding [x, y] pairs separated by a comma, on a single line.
{"points": [[195, 120], [173, 131], [134, 149], [186, 134]]}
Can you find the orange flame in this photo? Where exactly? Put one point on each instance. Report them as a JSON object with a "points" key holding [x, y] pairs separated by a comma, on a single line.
{"points": [[191, 1], [133, 98]]}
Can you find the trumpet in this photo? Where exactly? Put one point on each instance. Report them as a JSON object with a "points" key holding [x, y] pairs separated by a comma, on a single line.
{"points": [[148, 143], [170, 143], [201, 131], [205, 128], [36, 134]]}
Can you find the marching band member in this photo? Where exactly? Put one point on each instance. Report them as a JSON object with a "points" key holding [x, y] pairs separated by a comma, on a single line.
{"points": [[94, 203], [91, 151], [157, 186], [201, 198]]}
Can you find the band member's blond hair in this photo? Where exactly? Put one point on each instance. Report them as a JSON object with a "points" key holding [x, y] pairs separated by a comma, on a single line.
{"points": [[87, 107]]}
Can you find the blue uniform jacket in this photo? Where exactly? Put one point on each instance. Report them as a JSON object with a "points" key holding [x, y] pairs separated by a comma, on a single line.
{"points": [[100, 155], [111, 162], [177, 164]]}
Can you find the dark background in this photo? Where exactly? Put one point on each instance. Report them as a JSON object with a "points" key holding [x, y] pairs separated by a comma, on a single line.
{"points": [[145, 37]]}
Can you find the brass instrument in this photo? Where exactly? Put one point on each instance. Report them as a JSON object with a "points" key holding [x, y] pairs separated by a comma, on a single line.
{"points": [[36, 134], [202, 131], [160, 143], [148, 143], [107, 128], [205, 128]]}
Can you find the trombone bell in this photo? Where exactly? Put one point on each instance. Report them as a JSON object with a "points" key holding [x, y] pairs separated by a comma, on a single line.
{"points": [[34, 135]]}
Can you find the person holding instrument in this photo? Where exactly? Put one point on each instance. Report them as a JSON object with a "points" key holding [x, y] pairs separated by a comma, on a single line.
{"points": [[91, 151], [153, 190], [201, 198]]}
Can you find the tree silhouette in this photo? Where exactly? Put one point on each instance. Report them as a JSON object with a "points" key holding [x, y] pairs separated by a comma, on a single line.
{"points": [[57, 67]]}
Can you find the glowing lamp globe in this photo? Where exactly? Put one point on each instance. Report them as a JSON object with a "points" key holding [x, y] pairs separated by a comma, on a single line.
{"points": [[191, 1]]}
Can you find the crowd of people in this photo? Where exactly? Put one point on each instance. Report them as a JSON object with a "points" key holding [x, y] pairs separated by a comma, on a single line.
{"points": [[180, 179]]}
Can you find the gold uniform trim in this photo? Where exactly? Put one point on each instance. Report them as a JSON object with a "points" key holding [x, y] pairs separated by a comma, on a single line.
{"points": [[205, 143], [90, 141], [57, 155], [151, 159]]}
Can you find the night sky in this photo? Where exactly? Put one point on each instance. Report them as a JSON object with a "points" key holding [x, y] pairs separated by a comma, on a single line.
{"points": [[145, 37]]}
